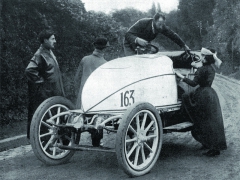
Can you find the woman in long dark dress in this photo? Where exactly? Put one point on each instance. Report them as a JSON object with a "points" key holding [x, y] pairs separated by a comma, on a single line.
{"points": [[203, 106]]}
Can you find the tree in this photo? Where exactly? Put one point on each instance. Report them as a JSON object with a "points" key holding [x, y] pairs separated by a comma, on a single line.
{"points": [[128, 16], [224, 33], [172, 20], [159, 7], [196, 17], [152, 11], [20, 23]]}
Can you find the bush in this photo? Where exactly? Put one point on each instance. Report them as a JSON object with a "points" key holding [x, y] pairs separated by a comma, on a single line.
{"points": [[21, 22]]}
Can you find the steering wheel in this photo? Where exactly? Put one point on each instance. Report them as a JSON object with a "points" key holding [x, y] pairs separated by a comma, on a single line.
{"points": [[194, 57], [149, 49]]}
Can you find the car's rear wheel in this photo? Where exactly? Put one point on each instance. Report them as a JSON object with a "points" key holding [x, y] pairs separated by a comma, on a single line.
{"points": [[139, 139], [45, 136]]}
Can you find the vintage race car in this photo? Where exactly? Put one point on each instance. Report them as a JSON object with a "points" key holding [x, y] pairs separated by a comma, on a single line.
{"points": [[137, 97]]}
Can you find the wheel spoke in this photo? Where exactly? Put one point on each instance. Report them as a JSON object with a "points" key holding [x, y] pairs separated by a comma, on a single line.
{"points": [[131, 140], [136, 156], [143, 154], [45, 124], [50, 113], [133, 130], [145, 144], [138, 123], [132, 149], [151, 137], [48, 143], [58, 111], [54, 149], [47, 134], [151, 123], [144, 121]]}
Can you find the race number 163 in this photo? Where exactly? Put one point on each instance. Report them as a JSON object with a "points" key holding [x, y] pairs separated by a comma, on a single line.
{"points": [[127, 98]]}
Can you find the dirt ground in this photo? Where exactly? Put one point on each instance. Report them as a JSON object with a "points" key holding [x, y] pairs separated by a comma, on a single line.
{"points": [[180, 157]]}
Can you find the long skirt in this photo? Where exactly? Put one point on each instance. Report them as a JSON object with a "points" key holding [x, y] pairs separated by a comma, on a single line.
{"points": [[204, 110]]}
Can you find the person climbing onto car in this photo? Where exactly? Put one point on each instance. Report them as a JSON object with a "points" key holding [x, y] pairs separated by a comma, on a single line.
{"points": [[203, 107], [146, 30]]}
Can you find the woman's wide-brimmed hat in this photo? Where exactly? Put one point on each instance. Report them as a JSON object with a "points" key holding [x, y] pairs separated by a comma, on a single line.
{"points": [[206, 51]]}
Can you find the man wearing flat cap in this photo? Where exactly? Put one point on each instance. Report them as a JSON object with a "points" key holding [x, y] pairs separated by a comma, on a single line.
{"points": [[87, 65]]}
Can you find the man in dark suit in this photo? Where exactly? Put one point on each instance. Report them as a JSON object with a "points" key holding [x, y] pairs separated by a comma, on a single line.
{"points": [[146, 30]]}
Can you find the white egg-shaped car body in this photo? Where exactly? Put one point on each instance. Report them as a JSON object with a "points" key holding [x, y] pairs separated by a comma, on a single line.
{"points": [[122, 82]]}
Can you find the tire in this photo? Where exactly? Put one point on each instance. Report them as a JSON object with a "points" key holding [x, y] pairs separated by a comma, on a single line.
{"points": [[41, 133], [133, 146]]}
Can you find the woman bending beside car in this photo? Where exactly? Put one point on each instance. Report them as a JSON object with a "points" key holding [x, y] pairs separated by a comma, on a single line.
{"points": [[203, 106]]}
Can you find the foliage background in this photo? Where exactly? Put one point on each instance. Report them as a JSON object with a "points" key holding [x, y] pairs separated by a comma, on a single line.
{"points": [[208, 23]]}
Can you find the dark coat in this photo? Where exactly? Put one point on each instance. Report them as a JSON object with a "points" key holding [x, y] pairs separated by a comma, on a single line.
{"points": [[204, 110], [44, 75], [44, 80], [143, 29], [87, 65]]}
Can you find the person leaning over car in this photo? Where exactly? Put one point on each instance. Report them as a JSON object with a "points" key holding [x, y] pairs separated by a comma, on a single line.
{"points": [[43, 74], [146, 30], [87, 65]]}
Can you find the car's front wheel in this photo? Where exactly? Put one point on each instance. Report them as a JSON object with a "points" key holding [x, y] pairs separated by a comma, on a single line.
{"points": [[45, 136], [139, 139]]}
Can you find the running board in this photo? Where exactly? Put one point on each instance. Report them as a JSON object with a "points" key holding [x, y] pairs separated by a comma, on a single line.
{"points": [[169, 108], [86, 148], [180, 126]]}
